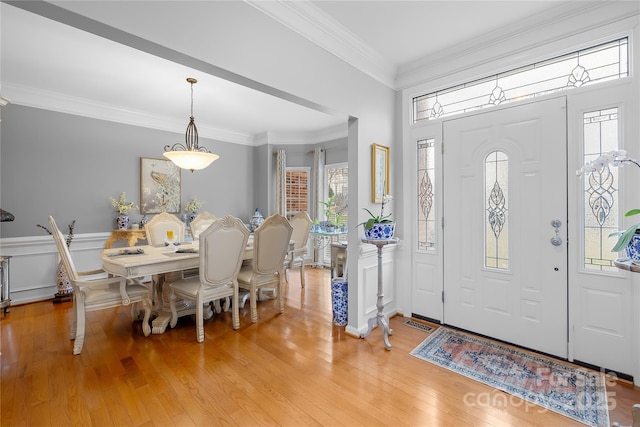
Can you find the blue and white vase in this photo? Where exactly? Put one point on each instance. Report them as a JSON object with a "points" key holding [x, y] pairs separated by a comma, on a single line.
{"points": [[339, 301], [123, 221], [62, 281], [381, 231], [191, 216], [633, 249], [256, 220]]}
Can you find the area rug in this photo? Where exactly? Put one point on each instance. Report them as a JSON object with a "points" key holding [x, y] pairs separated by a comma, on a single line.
{"points": [[574, 392]]}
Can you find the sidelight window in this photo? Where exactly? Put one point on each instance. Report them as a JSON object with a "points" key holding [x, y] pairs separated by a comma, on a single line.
{"points": [[426, 195], [601, 201]]}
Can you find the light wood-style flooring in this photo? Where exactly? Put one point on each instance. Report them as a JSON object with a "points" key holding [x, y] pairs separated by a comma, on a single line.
{"points": [[294, 369]]}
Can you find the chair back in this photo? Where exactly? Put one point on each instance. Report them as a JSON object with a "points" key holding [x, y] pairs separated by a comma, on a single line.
{"points": [[271, 244], [63, 250], [222, 245], [301, 223], [156, 228], [200, 223]]}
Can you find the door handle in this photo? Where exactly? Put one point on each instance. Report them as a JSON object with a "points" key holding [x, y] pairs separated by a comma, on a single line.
{"points": [[556, 240]]}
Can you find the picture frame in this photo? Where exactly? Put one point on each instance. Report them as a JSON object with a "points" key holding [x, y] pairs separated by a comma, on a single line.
{"points": [[160, 186], [379, 172]]}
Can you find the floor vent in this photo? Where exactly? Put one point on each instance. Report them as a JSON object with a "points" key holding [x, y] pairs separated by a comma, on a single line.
{"points": [[414, 324]]}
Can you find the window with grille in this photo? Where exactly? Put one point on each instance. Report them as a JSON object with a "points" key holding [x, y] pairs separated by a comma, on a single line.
{"points": [[589, 66], [601, 202], [297, 191], [336, 194], [426, 195]]}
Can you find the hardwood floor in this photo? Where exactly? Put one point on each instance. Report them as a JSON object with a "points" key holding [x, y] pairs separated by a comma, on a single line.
{"points": [[290, 369]]}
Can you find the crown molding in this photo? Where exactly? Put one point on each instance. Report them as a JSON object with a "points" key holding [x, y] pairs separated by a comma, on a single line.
{"points": [[303, 138], [62, 103], [509, 44], [311, 22]]}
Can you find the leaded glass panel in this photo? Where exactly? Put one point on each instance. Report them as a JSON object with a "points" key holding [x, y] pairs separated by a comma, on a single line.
{"points": [[426, 195], [496, 196], [601, 208], [588, 66]]}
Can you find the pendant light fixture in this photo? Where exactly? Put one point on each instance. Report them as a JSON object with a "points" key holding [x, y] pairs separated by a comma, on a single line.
{"points": [[191, 156]]}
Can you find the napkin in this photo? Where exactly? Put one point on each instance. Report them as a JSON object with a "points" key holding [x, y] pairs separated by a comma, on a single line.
{"points": [[136, 251], [187, 251]]}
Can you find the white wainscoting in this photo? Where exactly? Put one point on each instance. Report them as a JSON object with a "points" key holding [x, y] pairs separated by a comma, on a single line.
{"points": [[34, 263]]}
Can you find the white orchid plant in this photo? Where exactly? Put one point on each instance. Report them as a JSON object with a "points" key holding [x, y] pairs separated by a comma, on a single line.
{"points": [[193, 205], [380, 219], [122, 205], [616, 158]]}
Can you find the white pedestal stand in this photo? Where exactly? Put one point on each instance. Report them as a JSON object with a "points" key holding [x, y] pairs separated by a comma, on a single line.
{"points": [[380, 318]]}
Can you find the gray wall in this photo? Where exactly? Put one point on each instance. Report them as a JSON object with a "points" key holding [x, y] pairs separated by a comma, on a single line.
{"points": [[67, 166]]}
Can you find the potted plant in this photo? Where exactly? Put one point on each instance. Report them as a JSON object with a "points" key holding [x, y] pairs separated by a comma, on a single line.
{"points": [[628, 239], [379, 226], [123, 208], [329, 211], [193, 206], [65, 290]]}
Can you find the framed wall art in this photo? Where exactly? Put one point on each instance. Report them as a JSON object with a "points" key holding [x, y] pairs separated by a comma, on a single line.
{"points": [[379, 172], [160, 186]]}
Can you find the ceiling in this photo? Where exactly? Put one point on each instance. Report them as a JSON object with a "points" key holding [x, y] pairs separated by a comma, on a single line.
{"points": [[48, 64]]}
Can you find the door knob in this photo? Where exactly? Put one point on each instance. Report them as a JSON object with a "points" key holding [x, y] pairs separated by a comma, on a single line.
{"points": [[556, 240]]}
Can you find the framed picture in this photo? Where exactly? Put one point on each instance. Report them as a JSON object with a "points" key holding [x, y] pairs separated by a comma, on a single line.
{"points": [[160, 186], [379, 172]]}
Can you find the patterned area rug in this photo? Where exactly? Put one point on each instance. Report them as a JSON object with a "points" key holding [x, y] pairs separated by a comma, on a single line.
{"points": [[574, 392]]}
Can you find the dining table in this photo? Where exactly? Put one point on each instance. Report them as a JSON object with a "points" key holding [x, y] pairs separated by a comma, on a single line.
{"points": [[163, 264]]}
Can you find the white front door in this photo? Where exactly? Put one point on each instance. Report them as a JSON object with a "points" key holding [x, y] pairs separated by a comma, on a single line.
{"points": [[504, 186]]}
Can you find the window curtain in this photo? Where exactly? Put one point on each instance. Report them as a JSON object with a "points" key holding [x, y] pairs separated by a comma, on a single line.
{"points": [[281, 175], [318, 180]]}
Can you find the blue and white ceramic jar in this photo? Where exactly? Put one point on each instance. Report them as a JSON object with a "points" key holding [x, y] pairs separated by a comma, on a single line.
{"points": [[381, 231], [123, 222], [339, 291], [633, 249], [256, 220]]}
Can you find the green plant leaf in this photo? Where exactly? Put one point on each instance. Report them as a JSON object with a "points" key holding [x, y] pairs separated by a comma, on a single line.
{"points": [[632, 212], [624, 237]]}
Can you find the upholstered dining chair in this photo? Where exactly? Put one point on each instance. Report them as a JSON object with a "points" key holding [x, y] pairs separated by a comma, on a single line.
{"points": [[200, 223], [301, 223], [93, 291], [156, 228], [221, 248], [270, 246]]}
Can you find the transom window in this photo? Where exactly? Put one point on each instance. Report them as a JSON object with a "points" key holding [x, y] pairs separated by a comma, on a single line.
{"points": [[593, 65]]}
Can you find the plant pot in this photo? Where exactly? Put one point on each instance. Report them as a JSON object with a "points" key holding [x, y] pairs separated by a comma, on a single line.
{"points": [[123, 221], [633, 249], [381, 231]]}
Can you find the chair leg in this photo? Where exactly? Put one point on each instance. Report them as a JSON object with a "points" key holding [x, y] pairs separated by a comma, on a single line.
{"points": [[174, 312], [199, 319], [235, 310], [281, 291], [302, 272], [147, 305], [74, 321], [254, 304], [80, 324]]}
